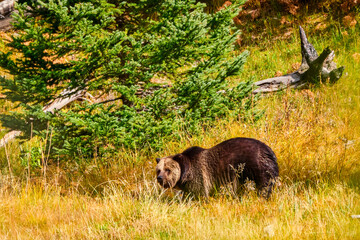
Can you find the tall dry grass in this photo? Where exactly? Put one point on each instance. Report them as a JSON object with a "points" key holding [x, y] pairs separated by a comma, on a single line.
{"points": [[315, 134], [295, 211]]}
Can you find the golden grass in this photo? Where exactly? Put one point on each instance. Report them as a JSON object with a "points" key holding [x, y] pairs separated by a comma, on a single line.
{"points": [[315, 134], [295, 211]]}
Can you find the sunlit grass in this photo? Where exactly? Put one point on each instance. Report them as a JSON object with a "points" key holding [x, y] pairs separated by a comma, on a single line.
{"points": [[295, 211], [315, 134]]}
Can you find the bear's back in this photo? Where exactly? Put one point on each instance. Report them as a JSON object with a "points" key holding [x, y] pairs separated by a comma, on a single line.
{"points": [[251, 154]]}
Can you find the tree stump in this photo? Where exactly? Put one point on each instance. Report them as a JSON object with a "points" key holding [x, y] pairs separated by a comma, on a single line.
{"points": [[314, 69]]}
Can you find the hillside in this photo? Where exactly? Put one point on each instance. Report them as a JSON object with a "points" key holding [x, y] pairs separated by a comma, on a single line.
{"points": [[314, 132]]}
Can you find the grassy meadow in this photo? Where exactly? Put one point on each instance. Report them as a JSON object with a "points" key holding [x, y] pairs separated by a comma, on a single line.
{"points": [[315, 134]]}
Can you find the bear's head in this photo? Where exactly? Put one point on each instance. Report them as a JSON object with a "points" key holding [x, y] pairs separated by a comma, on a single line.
{"points": [[170, 170]]}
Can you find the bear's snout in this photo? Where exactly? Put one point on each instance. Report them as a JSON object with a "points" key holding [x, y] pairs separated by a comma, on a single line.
{"points": [[160, 179]]}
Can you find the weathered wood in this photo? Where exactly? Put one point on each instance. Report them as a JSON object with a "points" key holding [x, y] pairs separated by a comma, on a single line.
{"points": [[8, 137], [313, 69], [66, 97], [6, 7]]}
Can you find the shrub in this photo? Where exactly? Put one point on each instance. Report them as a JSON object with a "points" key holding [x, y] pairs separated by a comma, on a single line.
{"points": [[118, 49]]}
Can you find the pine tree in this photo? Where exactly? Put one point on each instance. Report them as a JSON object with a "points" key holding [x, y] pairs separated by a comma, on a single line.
{"points": [[117, 48]]}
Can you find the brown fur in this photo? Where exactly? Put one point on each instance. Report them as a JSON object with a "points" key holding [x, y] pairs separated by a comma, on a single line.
{"points": [[201, 171]]}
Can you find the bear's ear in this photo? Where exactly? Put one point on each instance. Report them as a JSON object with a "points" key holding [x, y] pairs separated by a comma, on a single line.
{"points": [[157, 160], [185, 165]]}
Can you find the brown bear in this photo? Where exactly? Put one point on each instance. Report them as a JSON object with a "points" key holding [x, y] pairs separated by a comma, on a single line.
{"points": [[202, 171]]}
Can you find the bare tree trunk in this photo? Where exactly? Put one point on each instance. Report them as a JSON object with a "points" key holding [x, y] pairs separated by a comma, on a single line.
{"points": [[8, 137], [66, 97], [6, 7], [314, 69]]}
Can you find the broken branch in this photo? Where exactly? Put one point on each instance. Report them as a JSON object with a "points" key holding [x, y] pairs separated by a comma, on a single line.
{"points": [[67, 96], [314, 69]]}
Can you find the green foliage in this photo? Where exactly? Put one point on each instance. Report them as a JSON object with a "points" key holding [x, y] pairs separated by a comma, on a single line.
{"points": [[119, 47], [31, 157]]}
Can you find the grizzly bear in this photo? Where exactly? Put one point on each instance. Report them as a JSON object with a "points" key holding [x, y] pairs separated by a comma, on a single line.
{"points": [[202, 171]]}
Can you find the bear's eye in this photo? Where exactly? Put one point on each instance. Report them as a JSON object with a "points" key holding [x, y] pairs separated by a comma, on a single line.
{"points": [[167, 171], [158, 172]]}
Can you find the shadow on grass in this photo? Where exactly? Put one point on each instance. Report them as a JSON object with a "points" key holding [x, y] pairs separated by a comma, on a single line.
{"points": [[354, 181]]}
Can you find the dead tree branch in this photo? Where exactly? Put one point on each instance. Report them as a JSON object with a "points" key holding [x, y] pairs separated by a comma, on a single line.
{"points": [[314, 69], [6, 7], [67, 96]]}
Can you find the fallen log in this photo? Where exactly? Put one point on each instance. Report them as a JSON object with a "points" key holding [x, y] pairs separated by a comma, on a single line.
{"points": [[67, 96], [6, 7], [314, 69]]}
